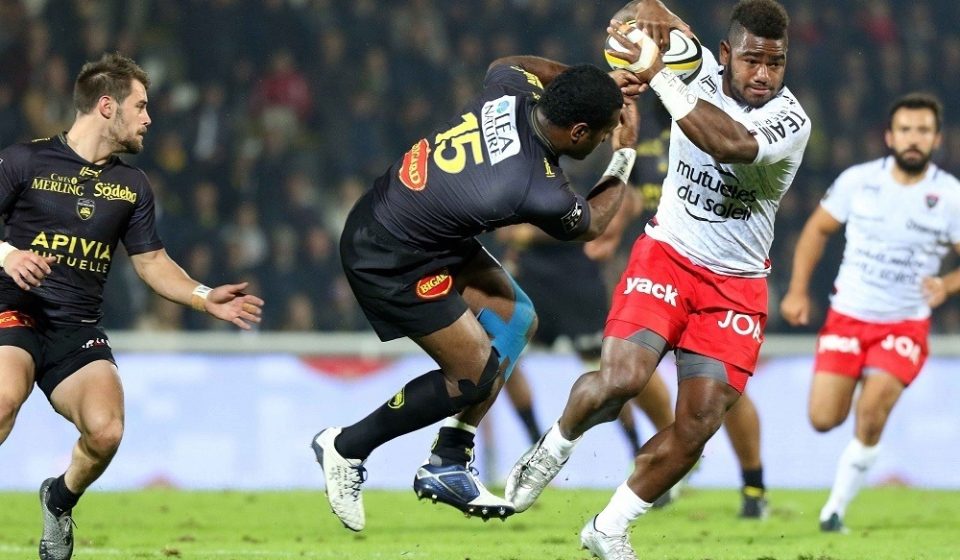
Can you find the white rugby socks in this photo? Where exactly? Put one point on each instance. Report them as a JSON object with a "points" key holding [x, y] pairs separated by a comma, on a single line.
{"points": [[557, 445], [852, 469], [624, 507]]}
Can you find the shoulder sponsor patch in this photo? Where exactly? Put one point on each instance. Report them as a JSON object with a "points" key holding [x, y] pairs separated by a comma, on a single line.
{"points": [[499, 126], [413, 169]]}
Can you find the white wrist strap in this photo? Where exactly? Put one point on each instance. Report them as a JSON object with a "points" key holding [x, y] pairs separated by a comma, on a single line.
{"points": [[621, 164], [199, 297], [673, 93], [5, 250]]}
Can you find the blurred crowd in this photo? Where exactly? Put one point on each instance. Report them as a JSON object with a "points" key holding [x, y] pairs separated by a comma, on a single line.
{"points": [[270, 117]]}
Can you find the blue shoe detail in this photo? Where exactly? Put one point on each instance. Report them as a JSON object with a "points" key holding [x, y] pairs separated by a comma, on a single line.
{"points": [[458, 486]]}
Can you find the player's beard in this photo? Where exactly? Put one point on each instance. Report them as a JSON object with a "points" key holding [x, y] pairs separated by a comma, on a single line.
{"points": [[914, 165], [130, 145]]}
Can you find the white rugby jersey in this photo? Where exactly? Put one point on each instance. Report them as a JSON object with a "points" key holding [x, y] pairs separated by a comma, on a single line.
{"points": [[720, 215], [896, 235]]}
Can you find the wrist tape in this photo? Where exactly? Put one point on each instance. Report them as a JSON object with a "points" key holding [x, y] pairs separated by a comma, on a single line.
{"points": [[5, 250], [621, 164], [199, 297], [678, 99]]}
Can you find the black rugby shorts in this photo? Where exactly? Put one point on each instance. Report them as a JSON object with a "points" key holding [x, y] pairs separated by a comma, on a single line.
{"points": [[402, 290]]}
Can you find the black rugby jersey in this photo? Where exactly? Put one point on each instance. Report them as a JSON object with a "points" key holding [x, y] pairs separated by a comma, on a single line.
{"points": [[56, 203], [482, 170]]}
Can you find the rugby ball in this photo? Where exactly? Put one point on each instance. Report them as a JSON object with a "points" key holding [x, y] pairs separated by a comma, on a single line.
{"points": [[683, 57]]}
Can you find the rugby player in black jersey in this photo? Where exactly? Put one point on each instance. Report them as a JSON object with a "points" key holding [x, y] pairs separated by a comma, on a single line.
{"points": [[411, 257], [66, 203]]}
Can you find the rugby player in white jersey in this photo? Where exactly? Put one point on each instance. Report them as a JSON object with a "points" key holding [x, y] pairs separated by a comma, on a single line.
{"points": [[902, 215], [696, 280]]}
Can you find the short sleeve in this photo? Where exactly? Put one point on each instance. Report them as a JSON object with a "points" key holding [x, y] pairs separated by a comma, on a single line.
{"points": [[782, 131], [141, 233], [558, 210], [837, 200], [513, 79]]}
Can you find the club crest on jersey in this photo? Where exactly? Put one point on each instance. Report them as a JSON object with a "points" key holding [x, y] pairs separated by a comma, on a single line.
{"points": [[85, 208], [434, 285], [932, 200], [413, 169]]}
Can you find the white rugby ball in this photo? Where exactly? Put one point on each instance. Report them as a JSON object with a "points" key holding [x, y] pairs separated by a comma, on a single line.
{"points": [[683, 57]]}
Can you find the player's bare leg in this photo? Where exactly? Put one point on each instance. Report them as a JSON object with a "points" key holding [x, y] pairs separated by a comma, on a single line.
{"points": [[518, 390], [655, 401], [672, 452], [743, 428], [879, 394], [92, 399], [509, 322], [16, 382], [596, 397], [831, 396]]}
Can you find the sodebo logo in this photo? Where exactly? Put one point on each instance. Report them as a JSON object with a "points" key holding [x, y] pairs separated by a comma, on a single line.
{"points": [[646, 286]]}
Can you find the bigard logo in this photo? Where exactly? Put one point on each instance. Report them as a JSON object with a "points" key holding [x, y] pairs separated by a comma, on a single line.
{"points": [[413, 169], [85, 208], [434, 285]]}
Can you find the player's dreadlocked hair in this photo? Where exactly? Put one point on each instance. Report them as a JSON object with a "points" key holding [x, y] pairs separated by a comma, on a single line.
{"points": [[582, 93], [111, 75], [763, 18], [917, 100]]}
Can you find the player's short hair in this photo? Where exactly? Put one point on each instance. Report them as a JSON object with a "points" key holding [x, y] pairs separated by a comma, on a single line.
{"points": [[582, 93], [917, 100], [763, 18], [111, 75]]}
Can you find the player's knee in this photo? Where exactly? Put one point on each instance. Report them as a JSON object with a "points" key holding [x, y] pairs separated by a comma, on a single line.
{"points": [[823, 421], [622, 379], [8, 412], [697, 425], [475, 392], [511, 336], [102, 437]]}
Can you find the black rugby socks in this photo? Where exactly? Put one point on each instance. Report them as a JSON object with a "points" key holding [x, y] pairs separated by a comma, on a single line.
{"points": [[420, 403], [61, 500]]}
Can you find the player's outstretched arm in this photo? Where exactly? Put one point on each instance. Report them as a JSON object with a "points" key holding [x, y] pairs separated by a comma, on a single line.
{"points": [[227, 302], [795, 306], [605, 197], [605, 246]]}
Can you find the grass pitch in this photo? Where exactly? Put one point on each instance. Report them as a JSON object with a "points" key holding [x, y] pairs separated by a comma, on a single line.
{"points": [[885, 523]]}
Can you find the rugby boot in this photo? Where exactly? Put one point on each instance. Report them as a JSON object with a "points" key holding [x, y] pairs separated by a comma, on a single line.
{"points": [[604, 546], [834, 524], [532, 473], [459, 486], [57, 540], [343, 479], [754, 505]]}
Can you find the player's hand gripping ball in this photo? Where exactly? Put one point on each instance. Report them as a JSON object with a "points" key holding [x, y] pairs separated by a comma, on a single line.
{"points": [[683, 57]]}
